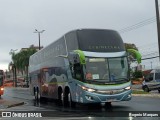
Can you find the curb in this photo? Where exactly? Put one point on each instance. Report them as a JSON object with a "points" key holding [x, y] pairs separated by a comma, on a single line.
{"points": [[15, 104], [9, 104], [147, 95]]}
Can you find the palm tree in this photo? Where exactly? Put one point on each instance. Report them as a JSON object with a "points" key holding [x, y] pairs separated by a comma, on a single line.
{"points": [[21, 60], [25, 59]]}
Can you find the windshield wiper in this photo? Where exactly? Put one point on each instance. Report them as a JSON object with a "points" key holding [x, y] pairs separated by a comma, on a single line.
{"points": [[102, 81], [95, 81]]}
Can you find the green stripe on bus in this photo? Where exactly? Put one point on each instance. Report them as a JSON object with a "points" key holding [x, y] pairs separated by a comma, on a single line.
{"points": [[57, 83]]}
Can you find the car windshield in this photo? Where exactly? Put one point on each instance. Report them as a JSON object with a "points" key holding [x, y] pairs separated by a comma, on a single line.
{"points": [[106, 69]]}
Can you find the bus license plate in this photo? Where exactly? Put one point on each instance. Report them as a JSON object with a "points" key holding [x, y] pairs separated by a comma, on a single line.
{"points": [[111, 100]]}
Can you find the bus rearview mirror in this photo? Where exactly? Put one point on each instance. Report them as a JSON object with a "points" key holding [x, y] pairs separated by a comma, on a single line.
{"points": [[73, 58]]}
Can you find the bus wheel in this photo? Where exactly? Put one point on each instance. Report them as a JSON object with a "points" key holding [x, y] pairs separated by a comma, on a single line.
{"points": [[38, 95], [108, 105], [67, 100], [71, 103], [60, 98], [64, 99], [159, 90], [35, 95]]}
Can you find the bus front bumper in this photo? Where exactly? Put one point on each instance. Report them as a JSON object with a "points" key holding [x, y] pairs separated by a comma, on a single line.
{"points": [[91, 97]]}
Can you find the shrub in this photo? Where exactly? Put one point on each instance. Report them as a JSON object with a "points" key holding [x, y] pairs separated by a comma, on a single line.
{"points": [[137, 74]]}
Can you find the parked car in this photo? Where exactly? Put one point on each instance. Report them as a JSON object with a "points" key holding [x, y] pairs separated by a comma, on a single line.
{"points": [[152, 81], [22, 84]]}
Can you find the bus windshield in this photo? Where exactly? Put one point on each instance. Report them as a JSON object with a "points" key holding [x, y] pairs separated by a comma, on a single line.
{"points": [[106, 69]]}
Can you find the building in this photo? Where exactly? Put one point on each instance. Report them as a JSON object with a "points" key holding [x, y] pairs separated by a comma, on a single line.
{"points": [[31, 46]]}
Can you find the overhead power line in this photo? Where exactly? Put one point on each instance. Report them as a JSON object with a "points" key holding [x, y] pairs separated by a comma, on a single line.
{"points": [[148, 46], [138, 25], [150, 58]]}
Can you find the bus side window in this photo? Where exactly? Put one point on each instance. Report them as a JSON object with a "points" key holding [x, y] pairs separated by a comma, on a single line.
{"points": [[77, 73]]}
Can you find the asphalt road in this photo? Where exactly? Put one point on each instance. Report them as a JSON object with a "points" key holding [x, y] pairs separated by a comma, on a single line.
{"points": [[138, 105]]}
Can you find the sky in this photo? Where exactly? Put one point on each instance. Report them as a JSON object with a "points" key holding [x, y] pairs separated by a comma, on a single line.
{"points": [[20, 18]]}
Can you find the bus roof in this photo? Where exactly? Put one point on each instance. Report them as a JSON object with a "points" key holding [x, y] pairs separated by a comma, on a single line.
{"points": [[95, 40]]}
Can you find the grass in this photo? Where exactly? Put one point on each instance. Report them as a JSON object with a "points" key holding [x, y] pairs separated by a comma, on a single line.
{"points": [[139, 92]]}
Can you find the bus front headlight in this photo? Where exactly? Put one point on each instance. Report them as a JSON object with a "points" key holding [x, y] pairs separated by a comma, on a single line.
{"points": [[128, 88], [88, 89]]}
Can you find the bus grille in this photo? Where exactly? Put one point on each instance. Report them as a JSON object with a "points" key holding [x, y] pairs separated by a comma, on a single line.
{"points": [[110, 92]]}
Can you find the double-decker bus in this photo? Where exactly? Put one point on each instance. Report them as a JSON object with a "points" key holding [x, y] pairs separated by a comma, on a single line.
{"points": [[83, 66], [1, 82]]}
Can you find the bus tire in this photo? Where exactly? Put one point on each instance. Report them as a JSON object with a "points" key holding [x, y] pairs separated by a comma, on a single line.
{"points": [[67, 100], [38, 95], [71, 103], [35, 95], [60, 100], [108, 105]]}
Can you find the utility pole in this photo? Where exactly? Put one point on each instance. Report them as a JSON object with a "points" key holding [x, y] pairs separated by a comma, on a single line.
{"points": [[158, 25], [39, 32]]}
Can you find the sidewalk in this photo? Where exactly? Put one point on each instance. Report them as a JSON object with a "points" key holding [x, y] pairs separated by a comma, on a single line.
{"points": [[137, 87], [7, 104]]}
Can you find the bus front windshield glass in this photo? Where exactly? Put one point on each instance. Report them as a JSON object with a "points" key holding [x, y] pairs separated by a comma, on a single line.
{"points": [[106, 69]]}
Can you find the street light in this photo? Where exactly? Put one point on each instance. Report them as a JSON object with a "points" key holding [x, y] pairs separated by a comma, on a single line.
{"points": [[39, 32]]}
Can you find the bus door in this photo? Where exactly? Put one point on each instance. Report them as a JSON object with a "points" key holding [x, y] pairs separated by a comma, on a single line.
{"points": [[77, 74]]}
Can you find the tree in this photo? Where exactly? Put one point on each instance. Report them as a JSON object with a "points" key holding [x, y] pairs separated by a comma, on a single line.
{"points": [[21, 59], [130, 46], [132, 56]]}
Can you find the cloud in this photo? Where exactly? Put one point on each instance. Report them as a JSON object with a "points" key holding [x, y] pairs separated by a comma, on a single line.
{"points": [[20, 18]]}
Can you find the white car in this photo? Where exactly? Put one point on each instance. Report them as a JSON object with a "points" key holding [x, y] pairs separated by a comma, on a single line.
{"points": [[152, 81]]}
